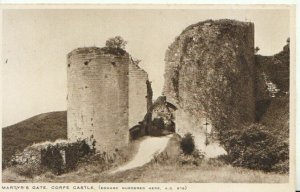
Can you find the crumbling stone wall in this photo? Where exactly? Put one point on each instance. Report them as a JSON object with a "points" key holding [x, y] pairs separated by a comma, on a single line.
{"points": [[209, 77], [137, 94], [59, 156], [272, 78], [273, 70], [104, 98], [272, 91]]}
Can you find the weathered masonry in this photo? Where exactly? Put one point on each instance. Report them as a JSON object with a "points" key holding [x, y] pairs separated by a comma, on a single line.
{"points": [[107, 95], [209, 77]]}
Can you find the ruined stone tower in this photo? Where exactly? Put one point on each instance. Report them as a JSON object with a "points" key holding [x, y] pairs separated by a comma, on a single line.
{"points": [[209, 77], [106, 96]]}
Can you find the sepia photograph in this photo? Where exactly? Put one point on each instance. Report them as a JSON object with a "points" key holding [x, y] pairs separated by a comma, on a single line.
{"points": [[147, 95]]}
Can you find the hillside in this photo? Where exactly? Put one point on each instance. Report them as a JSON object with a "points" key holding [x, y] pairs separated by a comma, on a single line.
{"points": [[206, 172], [44, 127]]}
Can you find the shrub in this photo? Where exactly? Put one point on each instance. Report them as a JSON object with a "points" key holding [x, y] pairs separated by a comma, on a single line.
{"points": [[187, 144], [161, 158], [216, 162], [28, 171], [255, 147], [52, 159], [25, 171], [58, 157], [116, 42], [281, 167], [61, 158], [195, 158]]}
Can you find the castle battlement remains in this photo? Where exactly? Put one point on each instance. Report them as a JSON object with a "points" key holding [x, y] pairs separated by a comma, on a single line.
{"points": [[107, 95]]}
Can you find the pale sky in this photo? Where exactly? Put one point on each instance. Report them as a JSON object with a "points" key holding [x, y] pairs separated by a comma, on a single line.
{"points": [[35, 44]]}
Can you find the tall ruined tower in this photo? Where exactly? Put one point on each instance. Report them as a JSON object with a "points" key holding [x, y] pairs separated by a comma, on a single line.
{"points": [[106, 96], [209, 77]]}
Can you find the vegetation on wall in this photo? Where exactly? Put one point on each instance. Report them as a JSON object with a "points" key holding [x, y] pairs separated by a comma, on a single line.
{"points": [[210, 73], [116, 42], [225, 82]]}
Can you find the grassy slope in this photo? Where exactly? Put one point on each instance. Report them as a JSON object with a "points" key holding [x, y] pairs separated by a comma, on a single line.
{"points": [[157, 173], [43, 127]]}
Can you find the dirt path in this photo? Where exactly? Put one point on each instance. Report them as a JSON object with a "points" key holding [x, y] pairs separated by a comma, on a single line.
{"points": [[149, 147]]}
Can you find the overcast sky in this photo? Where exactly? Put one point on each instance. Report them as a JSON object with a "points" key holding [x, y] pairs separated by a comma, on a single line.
{"points": [[35, 44]]}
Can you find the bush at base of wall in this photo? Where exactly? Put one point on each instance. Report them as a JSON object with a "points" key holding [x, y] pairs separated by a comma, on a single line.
{"points": [[58, 157], [256, 147]]}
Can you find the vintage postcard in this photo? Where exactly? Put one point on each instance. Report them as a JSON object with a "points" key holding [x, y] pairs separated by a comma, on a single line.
{"points": [[148, 98]]}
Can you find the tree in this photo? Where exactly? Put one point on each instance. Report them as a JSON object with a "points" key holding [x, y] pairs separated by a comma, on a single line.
{"points": [[116, 42]]}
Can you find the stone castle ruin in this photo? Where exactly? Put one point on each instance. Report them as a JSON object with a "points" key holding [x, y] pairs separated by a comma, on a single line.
{"points": [[208, 81], [107, 95], [209, 77], [210, 87], [214, 83]]}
